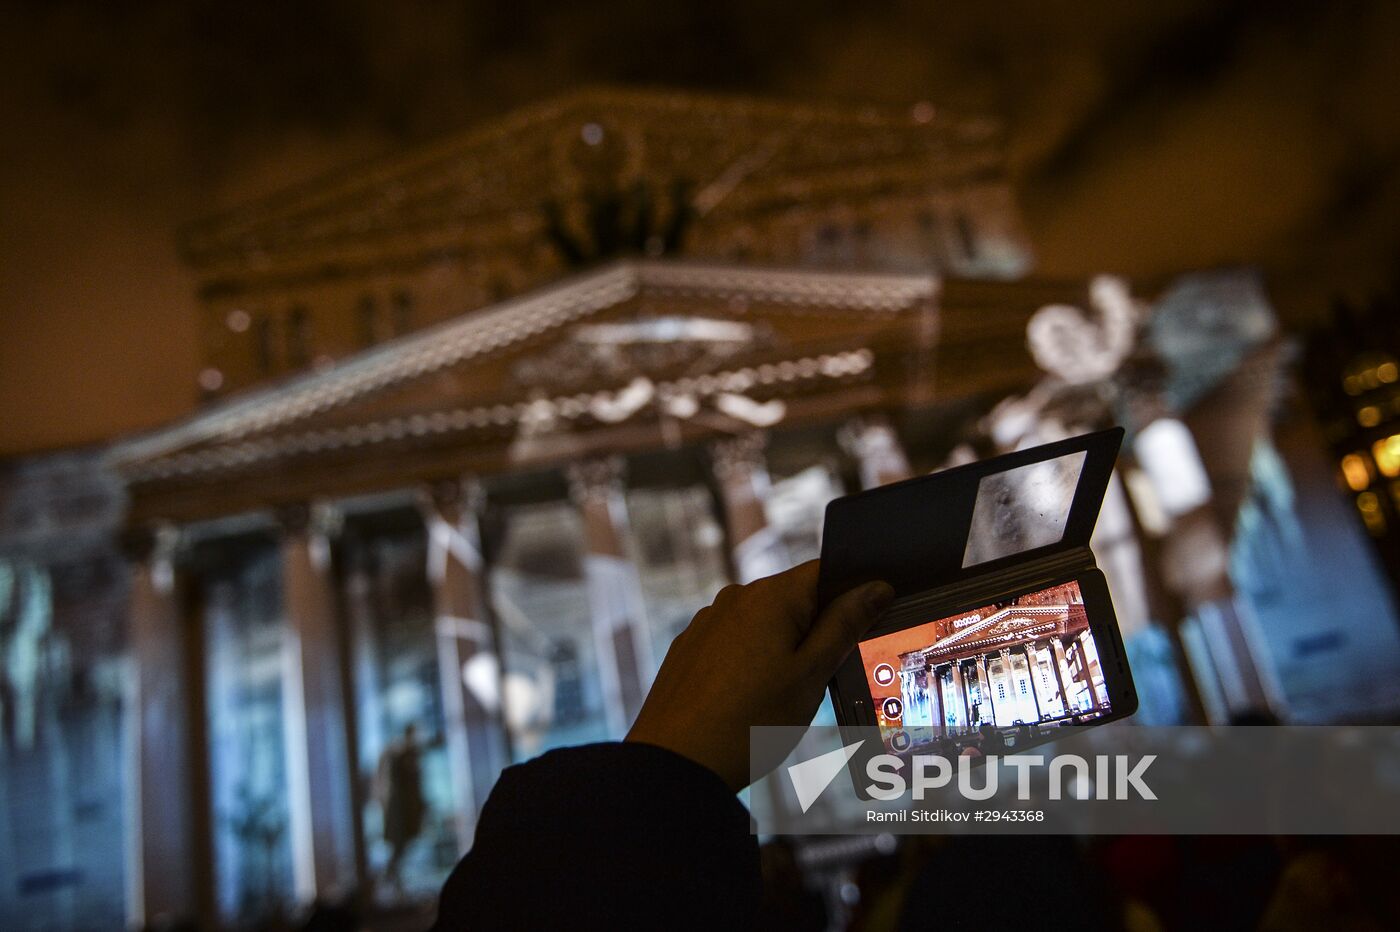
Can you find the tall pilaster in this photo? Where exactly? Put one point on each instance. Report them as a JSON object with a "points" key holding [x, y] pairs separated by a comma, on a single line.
{"points": [[1086, 675], [1059, 664], [1244, 682], [1032, 669], [320, 767], [984, 689], [621, 635], [1008, 676], [469, 666], [960, 688], [936, 674], [161, 850], [742, 476]]}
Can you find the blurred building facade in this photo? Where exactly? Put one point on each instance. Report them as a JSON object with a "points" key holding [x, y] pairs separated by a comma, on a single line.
{"points": [[323, 272], [491, 420], [1354, 384]]}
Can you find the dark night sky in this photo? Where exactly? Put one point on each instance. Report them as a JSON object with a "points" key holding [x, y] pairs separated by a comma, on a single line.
{"points": [[1145, 138]]}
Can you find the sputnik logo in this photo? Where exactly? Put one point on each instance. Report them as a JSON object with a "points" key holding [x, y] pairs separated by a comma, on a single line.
{"points": [[811, 777], [932, 772]]}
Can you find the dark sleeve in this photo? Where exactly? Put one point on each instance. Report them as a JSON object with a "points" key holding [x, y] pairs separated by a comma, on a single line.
{"points": [[620, 836]]}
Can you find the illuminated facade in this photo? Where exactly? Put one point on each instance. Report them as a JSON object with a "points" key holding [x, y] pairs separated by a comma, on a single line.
{"points": [[491, 420], [64, 694], [520, 403]]}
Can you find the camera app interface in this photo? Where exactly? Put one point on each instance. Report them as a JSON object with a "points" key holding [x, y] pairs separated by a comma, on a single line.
{"points": [[988, 680]]}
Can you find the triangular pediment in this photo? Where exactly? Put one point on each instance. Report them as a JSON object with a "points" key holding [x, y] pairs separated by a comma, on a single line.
{"points": [[1000, 627], [633, 341]]}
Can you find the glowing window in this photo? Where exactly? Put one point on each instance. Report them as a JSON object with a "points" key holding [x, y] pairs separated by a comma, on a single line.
{"points": [[1356, 471], [1387, 455], [1370, 507]]}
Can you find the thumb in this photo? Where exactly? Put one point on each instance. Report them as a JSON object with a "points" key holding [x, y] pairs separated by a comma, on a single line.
{"points": [[838, 628]]}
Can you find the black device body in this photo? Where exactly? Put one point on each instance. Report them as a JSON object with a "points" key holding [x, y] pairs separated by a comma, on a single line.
{"points": [[921, 536]]}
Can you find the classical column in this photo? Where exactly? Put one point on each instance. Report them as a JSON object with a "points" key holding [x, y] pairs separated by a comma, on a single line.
{"points": [[1032, 669], [320, 767], [1242, 679], [1058, 664], [1008, 676], [1086, 676], [620, 632], [1167, 605], [984, 687], [937, 674], [469, 666], [159, 756], [960, 687], [742, 477], [871, 440]]}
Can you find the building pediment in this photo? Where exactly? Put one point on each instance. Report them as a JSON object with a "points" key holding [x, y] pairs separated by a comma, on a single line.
{"points": [[623, 352], [999, 628], [320, 272]]}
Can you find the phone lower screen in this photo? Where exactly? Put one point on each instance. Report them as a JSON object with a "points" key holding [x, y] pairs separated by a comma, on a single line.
{"points": [[990, 679]]}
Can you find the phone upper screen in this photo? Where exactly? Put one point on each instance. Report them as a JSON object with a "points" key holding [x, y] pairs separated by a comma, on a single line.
{"points": [[987, 680]]}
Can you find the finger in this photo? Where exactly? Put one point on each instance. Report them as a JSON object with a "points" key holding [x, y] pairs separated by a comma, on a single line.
{"points": [[841, 625], [800, 594], [802, 578], [790, 597]]}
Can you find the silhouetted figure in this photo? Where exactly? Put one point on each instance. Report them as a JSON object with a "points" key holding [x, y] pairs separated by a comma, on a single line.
{"points": [[399, 786]]}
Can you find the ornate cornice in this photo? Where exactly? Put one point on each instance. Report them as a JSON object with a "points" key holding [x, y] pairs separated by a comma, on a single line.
{"points": [[247, 420], [447, 422], [797, 289]]}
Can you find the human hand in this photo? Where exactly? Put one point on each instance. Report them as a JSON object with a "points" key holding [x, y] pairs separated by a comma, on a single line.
{"points": [[754, 656]]}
